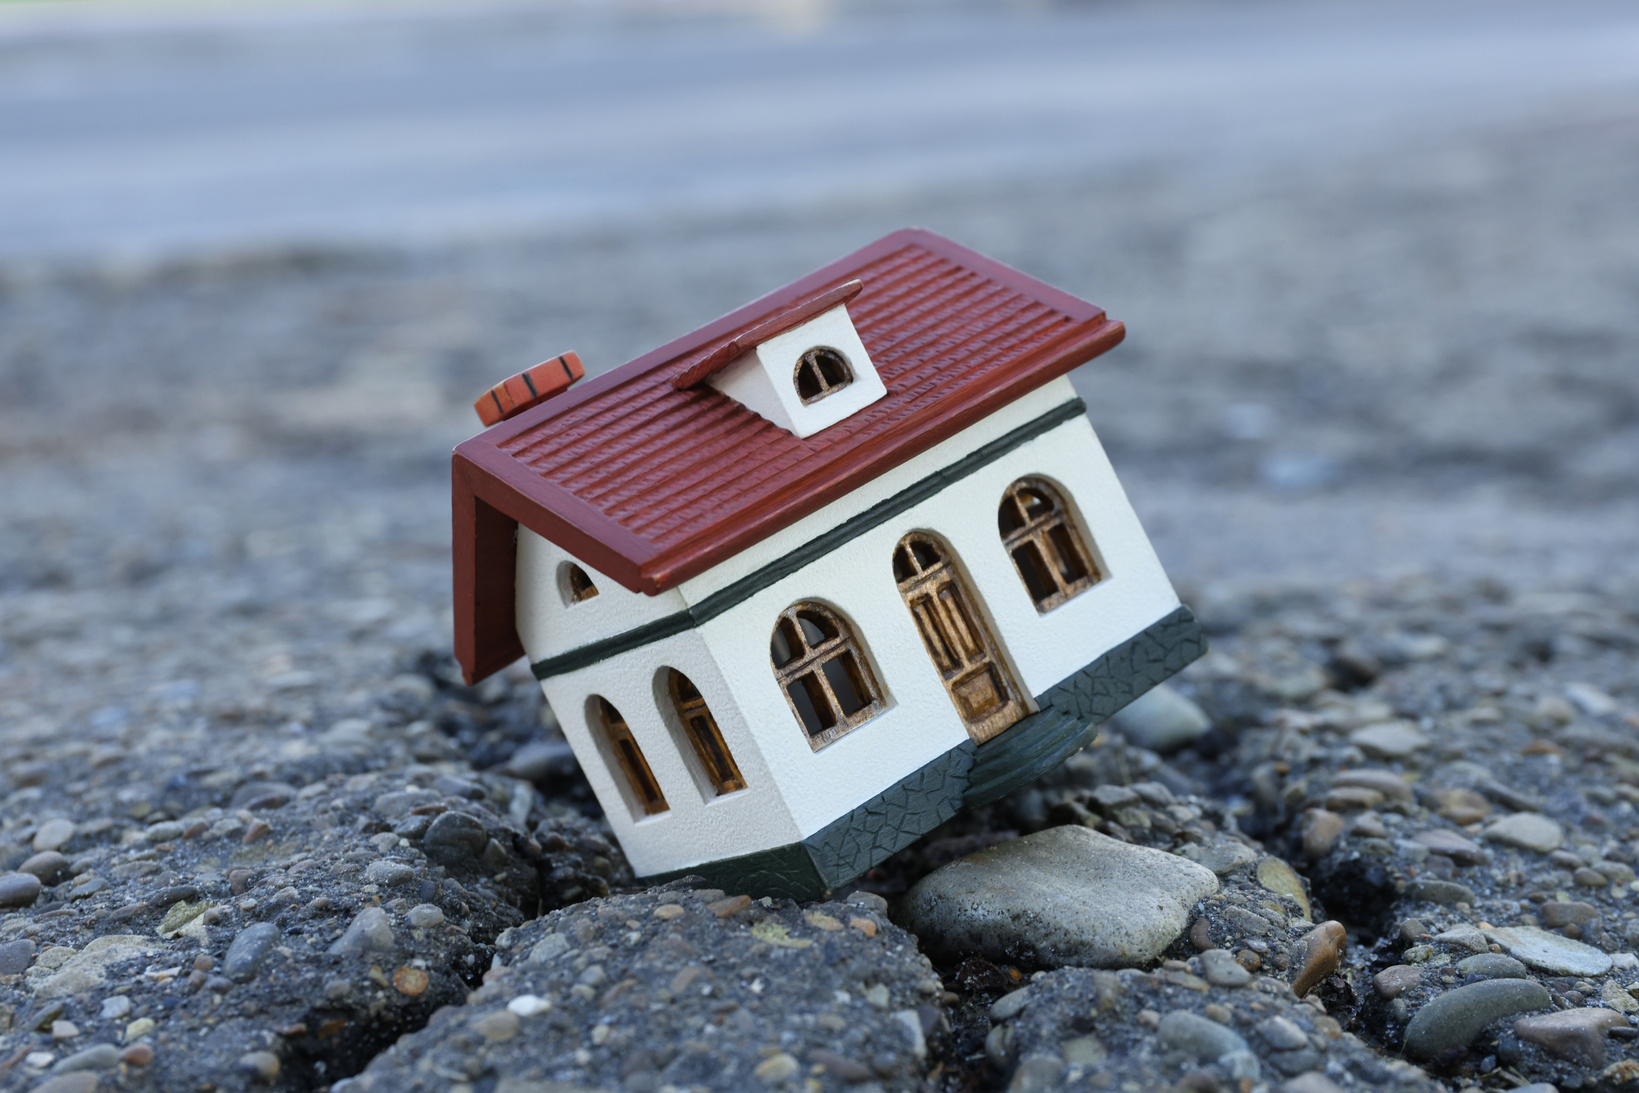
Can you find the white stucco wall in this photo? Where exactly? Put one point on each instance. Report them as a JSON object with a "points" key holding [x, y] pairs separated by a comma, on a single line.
{"points": [[698, 825], [793, 791]]}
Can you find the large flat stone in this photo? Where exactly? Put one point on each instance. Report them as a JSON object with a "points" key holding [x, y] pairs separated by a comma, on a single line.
{"points": [[1550, 952], [1066, 895]]}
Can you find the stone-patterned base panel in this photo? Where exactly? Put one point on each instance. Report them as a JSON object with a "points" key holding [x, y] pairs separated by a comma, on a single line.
{"points": [[891, 821], [967, 776], [1070, 712]]}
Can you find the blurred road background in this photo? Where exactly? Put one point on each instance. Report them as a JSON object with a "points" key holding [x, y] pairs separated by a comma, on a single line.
{"points": [[1379, 262]]}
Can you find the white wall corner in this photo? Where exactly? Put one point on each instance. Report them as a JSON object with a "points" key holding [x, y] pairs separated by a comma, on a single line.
{"points": [[763, 380]]}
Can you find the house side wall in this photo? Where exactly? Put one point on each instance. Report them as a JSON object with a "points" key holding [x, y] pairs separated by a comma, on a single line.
{"points": [[549, 623], [697, 826], [857, 580]]}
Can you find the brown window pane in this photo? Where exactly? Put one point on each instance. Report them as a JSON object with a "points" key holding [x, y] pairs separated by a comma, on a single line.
{"points": [[786, 646], [1034, 571], [808, 699], [1038, 533], [820, 372], [704, 735], [826, 681], [639, 778], [580, 585]]}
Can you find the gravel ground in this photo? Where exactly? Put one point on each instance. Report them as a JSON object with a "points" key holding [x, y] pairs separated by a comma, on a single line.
{"points": [[1382, 417]]}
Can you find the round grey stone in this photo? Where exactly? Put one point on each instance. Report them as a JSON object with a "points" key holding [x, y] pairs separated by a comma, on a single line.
{"points": [[424, 916], [1162, 720], [16, 956], [18, 889], [53, 834], [1281, 1034], [390, 873], [370, 930], [1528, 831], [48, 865], [454, 839], [1219, 967], [1452, 1019], [1198, 1036], [248, 950], [1492, 966], [1066, 895]]}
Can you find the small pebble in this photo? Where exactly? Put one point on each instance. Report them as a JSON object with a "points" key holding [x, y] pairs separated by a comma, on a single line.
{"points": [[528, 1005], [1577, 1034], [18, 889], [1220, 968], [137, 1055], [1197, 1036], [53, 834], [1281, 1034], [497, 1027], [114, 1008], [1528, 831], [1492, 966], [97, 1057], [261, 1066], [48, 866], [777, 1068], [79, 1082], [389, 873], [410, 982], [455, 839], [249, 949], [16, 956], [424, 916], [1321, 830], [1395, 981], [1320, 952]]}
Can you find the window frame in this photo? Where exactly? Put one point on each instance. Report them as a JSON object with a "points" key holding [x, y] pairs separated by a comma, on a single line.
{"points": [[613, 731], [810, 660], [1037, 533], [686, 710], [809, 359]]}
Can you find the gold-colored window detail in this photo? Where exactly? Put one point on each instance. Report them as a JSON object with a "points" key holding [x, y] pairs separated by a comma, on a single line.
{"points": [[957, 640], [639, 778], [821, 371], [707, 739], [1038, 533], [823, 672], [580, 585]]}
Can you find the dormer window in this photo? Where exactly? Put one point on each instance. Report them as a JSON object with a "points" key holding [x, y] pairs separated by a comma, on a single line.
{"points": [[803, 368], [821, 371]]}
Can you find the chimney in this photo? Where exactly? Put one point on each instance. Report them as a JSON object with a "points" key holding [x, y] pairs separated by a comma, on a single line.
{"points": [[515, 394]]}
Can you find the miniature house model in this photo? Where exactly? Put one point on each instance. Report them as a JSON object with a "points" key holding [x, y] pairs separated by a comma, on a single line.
{"points": [[807, 582]]}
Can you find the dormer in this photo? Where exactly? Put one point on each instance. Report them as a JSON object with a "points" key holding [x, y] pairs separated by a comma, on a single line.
{"points": [[803, 368]]}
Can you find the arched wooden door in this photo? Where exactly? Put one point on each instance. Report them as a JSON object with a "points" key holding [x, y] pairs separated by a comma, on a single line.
{"points": [[958, 642]]}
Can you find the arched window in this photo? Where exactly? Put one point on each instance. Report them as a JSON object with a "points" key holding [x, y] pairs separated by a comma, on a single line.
{"points": [[820, 372], [703, 733], [629, 757], [579, 584], [823, 673], [1037, 531]]}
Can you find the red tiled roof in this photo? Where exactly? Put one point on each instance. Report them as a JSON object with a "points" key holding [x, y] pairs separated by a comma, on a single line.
{"points": [[653, 484]]}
